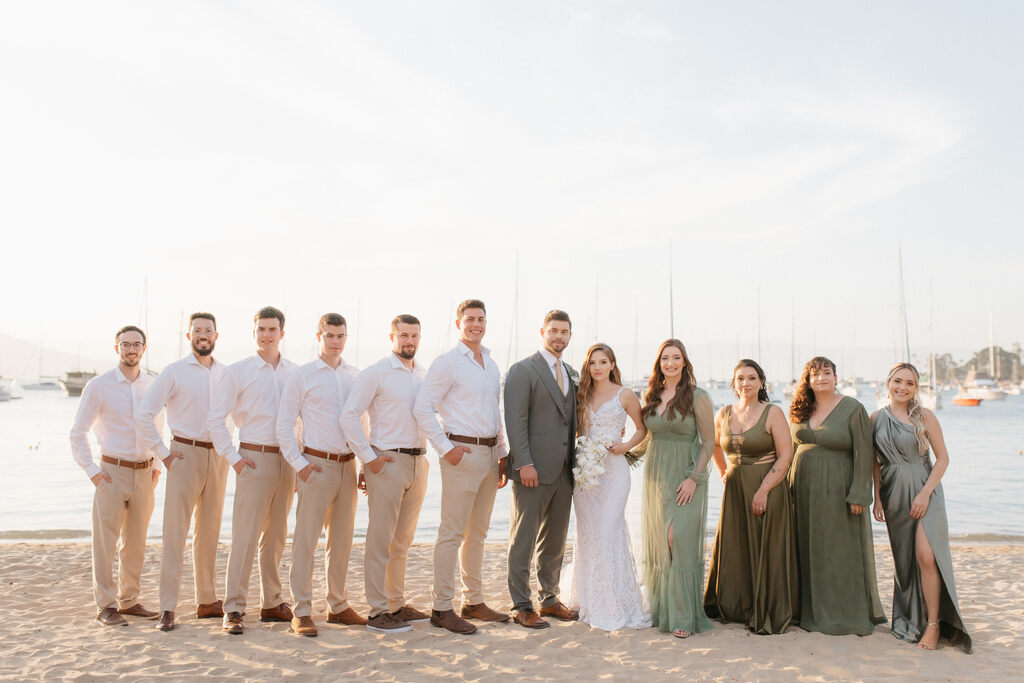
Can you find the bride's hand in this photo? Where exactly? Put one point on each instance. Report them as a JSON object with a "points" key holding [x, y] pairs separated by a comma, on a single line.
{"points": [[618, 449]]}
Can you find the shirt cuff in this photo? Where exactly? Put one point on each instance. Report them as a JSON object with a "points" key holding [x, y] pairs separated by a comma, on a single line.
{"points": [[92, 469], [162, 451], [365, 454], [233, 457]]}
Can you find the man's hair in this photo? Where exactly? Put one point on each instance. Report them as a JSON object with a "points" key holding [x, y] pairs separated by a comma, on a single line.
{"points": [[269, 312], [129, 328], [204, 316], [335, 319], [470, 303], [404, 318], [555, 314]]}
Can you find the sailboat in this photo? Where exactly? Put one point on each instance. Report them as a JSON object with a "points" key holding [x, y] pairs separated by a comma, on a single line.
{"points": [[930, 396]]}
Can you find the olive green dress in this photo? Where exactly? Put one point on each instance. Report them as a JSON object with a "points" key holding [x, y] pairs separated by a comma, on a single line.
{"points": [[831, 470], [904, 472], [677, 448], [753, 578]]}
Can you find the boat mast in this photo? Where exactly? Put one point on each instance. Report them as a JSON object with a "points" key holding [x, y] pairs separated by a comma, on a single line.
{"points": [[671, 300], [145, 317], [931, 345], [905, 336], [991, 349], [513, 332]]}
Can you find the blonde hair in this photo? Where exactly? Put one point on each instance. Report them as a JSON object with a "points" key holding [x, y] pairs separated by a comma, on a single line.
{"points": [[914, 409]]}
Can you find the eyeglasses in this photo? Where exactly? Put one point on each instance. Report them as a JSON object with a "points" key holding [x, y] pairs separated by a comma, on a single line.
{"points": [[131, 346]]}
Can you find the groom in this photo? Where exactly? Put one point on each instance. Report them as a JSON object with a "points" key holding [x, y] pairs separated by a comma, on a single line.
{"points": [[540, 421]]}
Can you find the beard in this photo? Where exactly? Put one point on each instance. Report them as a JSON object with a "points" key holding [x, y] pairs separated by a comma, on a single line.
{"points": [[406, 353], [556, 346], [130, 362], [203, 352]]}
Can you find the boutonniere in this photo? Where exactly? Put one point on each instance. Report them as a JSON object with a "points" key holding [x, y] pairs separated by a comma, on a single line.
{"points": [[573, 375]]}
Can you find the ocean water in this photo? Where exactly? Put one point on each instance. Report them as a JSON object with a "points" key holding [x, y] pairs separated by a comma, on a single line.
{"points": [[48, 497]]}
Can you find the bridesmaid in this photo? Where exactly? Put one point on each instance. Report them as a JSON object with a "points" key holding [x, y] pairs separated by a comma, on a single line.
{"points": [[680, 425], [908, 498], [753, 576], [831, 483]]}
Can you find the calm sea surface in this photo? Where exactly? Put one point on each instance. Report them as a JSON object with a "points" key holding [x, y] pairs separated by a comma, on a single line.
{"points": [[46, 495]]}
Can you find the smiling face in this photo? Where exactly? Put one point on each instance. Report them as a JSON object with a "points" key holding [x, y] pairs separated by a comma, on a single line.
{"points": [[822, 380], [332, 341], [130, 348], [746, 383], [472, 324], [268, 334], [556, 334], [902, 385], [203, 336], [405, 340], [672, 363], [600, 366]]}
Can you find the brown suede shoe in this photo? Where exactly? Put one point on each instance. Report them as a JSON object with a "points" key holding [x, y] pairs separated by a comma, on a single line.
{"points": [[166, 622], [560, 612], [210, 610], [109, 616], [137, 610], [529, 619], [449, 620], [410, 614], [304, 626], [348, 616], [483, 613], [233, 623], [280, 613]]}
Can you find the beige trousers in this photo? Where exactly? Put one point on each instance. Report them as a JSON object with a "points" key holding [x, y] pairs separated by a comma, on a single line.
{"points": [[195, 486], [263, 499], [394, 497], [467, 498], [328, 500], [120, 511]]}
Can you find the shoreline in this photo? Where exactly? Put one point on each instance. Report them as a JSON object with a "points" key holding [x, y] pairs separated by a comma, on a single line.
{"points": [[51, 632]]}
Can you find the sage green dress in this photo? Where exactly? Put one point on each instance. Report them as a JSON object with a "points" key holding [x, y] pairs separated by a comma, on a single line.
{"points": [[831, 470], [753, 579], [904, 472], [677, 447]]}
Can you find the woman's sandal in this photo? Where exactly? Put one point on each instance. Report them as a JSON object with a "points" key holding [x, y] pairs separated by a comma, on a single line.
{"points": [[680, 633], [929, 646]]}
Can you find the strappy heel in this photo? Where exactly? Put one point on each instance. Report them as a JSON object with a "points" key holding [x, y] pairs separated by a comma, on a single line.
{"points": [[929, 646]]}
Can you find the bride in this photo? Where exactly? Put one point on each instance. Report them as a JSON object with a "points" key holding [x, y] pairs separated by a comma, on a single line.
{"points": [[603, 578]]}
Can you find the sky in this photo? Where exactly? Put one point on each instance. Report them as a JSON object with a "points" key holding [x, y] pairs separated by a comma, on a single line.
{"points": [[389, 157]]}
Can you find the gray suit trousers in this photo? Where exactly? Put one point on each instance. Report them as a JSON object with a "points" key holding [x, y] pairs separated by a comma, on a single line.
{"points": [[540, 519]]}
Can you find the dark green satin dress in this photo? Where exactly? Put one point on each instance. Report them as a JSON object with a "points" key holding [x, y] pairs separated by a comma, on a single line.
{"points": [[753, 578], [831, 470]]}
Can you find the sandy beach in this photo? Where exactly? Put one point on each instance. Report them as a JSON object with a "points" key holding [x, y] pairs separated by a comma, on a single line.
{"points": [[51, 633]]}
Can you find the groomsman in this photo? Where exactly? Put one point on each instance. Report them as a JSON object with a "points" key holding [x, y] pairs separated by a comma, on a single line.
{"points": [[395, 470], [315, 393], [196, 475], [124, 479], [250, 393], [464, 386]]}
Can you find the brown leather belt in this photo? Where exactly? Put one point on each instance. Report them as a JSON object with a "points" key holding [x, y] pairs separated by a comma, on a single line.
{"points": [[476, 441], [336, 457], [407, 451], [130, 464], [258, 448], [192, 442]]}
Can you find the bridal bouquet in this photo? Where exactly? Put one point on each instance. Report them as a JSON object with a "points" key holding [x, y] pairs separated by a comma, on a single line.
{"points": [[590, 455]]}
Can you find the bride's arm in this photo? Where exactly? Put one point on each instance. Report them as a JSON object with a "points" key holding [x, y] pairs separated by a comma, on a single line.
{"points": [[631, 403]]}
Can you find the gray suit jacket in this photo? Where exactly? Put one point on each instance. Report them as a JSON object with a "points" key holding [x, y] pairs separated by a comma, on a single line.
{"points": [[539, 421]]}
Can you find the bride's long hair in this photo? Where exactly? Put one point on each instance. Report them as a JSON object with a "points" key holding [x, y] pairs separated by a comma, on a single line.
{"points": [[586, 390]]}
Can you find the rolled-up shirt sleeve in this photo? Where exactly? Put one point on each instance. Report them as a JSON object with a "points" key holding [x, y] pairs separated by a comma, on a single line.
{"points": [[437, 383], [88, 411], [287, 417], [145, 415], [216, 423]]}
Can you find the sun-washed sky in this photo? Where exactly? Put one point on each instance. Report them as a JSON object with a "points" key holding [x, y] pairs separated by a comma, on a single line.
{"points": [[386, 157]]}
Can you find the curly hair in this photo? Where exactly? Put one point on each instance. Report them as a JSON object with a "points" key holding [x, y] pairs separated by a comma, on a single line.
{"points": [[762, 393], [803, 398], [682, 403], [586, 390], [914, 407]]}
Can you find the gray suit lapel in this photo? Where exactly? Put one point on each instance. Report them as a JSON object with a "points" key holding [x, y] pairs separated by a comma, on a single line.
{"points": [[540, 366]]}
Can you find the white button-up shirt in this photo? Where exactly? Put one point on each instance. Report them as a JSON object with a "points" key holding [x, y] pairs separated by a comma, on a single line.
{"points": [[186, 387], [550, 359], [465, 395], [387, 392], [250, 392], [314, 393], [107, 407]]}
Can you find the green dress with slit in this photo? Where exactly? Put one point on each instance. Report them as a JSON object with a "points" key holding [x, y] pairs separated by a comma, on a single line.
{"points": [[832, 470], [677, 448], [753, 579]]}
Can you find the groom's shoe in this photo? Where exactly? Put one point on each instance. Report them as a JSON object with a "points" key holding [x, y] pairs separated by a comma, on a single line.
{"points": [[449, 620], [482, 612], [529, 619], [560, 612]]}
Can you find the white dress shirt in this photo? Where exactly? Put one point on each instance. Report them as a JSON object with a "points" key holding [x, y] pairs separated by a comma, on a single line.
{"points": [[465, 395], [107, 407], [387, 392], [250, 392], [186, 387], [550, 359], [314, 393]]}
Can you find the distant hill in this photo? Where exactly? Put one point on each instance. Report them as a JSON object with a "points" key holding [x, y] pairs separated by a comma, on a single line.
{"points": [[20, 359]]}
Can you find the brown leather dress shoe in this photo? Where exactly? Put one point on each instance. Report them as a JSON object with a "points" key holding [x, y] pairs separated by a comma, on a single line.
{"points": [[233, 623], [166, 622], [410, 614], [483, 613], [560, 612], [451, 621], [210, 610], [109, 616], [529, 619], [137, 610], [348, 616], [304, 626], [280, 613]]}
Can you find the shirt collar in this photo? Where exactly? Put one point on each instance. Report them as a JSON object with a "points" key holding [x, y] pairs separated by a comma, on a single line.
{"points": [[191, 358], [466, 351], [320, 364], [120, 375], [549, 357], [397, 363]]}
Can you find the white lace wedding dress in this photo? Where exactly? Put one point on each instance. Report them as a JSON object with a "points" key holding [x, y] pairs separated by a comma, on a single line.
{"points": [[603, 578]]}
